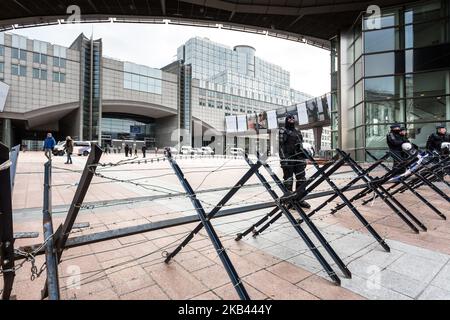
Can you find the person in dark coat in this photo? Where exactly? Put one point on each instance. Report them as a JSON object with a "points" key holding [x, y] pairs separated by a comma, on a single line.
{"points": [[395, 139], [144, 149], [69, 149], [436, 139], [127, 149], [290, 148]]}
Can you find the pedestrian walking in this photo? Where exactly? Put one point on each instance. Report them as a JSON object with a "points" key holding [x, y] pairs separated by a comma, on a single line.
{"points": [[69, 149], [49, 144]]}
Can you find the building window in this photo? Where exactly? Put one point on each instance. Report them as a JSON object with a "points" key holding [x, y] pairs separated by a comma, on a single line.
{"points": [[19, 54], [39, 58], [59, 62], [381, 40], [2, 67], [59, 77], [211, 103], [383, 88], [202, 102], [39, 74], [2, 50], [219, 105], [59, 56], [17, 70], [142, 78]]}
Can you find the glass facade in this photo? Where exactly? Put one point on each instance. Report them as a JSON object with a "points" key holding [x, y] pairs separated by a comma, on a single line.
{"points": [[142, 78], [238, 75], [401, 73], [127, 127], [91, 77]]}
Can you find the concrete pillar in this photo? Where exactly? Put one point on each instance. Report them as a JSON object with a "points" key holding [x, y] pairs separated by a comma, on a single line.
{"points": [[198, 134], [6, 129], [317, 132]]}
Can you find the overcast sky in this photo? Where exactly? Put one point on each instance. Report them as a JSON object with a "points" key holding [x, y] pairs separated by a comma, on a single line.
{"points": [[156, 46]]}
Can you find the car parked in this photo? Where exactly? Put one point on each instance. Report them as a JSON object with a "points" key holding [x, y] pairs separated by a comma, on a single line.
{"points": [[81, 148], [236, 151], [196, 151], [58, 150], [186, 150], [207, 151]]}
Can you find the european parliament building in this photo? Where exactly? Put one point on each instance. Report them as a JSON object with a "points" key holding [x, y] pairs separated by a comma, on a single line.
{"points": [[395, 69], [79, 92]]}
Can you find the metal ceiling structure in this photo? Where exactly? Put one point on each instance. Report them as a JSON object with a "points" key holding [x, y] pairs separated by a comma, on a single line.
{"points": [[311, 21]]}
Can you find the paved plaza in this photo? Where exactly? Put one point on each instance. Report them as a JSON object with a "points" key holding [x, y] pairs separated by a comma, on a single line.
{"points": [[274, 265]]}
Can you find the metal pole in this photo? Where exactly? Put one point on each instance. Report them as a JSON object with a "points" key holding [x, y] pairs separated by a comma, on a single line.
{"points": [[83, 186], [235, 279], [78, 198], [6, 225], [387, 198], [14, 155], [50, 252], [417, 194], [300, 231], [216, 209]]}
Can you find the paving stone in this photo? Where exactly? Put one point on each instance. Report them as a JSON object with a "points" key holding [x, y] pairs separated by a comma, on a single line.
{"points": [[277, 288], [325, 289], [434, 293], [371, 291], [289, 272], [228, 292], [442, 279], [416, 267], [281, 252], [176, 282], [147, 293]]}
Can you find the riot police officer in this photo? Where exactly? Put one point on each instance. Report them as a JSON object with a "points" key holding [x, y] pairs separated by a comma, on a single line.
{"points": [[436, 139], [292, 158], [395, 140]]}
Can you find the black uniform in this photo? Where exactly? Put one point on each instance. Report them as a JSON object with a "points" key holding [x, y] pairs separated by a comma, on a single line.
{"points": [[394, 141], [435, 140], [290, 149]]}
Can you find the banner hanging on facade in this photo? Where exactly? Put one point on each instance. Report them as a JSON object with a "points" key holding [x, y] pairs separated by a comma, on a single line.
{"points": [[272, 121], [242, 123], [302, 114], [230, 121], [4, 89], [251, 122]]}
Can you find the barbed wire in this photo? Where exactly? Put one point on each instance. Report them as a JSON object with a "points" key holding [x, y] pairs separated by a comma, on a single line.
{"points": [[30, 257]]}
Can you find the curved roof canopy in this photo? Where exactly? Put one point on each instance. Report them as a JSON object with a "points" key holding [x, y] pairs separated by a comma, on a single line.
{"points": [[311, 21]]}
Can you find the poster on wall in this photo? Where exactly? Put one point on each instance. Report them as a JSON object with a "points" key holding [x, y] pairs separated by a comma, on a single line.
{"points": [[4, 89], [272, 119], [230, 121], [302, 114], [242, 123]]}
